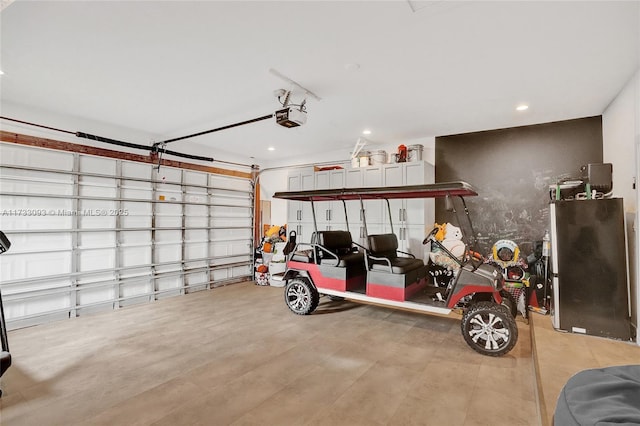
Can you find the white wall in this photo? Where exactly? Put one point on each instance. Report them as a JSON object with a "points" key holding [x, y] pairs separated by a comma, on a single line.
{"points": [[619, 130], [273, 178], [621, 147]]}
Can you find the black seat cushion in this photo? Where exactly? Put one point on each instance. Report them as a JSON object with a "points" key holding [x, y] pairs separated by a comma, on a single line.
{"points": [[338, 242], [383, 245], [383, 248], [399, 265]]}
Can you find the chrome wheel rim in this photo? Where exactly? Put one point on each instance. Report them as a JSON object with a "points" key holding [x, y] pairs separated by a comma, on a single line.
{"points": [[488, 331], [298, 297]]}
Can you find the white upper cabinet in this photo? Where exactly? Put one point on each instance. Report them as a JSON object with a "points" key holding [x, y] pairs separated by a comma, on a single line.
{"points": [[410, 217], [330, 215]]}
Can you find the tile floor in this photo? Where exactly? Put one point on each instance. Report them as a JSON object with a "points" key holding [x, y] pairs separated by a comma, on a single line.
{"points": [[558, 356], [236, 355]]}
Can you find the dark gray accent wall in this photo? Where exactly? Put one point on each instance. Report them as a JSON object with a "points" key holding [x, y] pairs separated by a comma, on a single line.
{"points": [[512, 170]]}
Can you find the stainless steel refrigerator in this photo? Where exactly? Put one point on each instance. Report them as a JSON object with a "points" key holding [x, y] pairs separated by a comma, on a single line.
{"points": [[589, 268]]}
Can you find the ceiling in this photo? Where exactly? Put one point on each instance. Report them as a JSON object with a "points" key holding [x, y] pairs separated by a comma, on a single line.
{"points": [[403, 69]]}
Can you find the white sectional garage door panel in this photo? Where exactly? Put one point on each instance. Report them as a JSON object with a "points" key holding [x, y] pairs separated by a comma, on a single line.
{"points": [[92, 233]]}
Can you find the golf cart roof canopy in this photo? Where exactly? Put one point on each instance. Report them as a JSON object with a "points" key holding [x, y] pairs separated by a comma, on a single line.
{"points": [[433, 190]]}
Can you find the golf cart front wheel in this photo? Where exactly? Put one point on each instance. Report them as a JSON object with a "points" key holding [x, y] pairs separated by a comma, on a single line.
{"points": [[489, 329], [301, 297]]}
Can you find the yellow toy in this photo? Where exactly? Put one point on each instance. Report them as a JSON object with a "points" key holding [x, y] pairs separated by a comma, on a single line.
{"points": [[441, 231], [273, 231], [451, 238]]}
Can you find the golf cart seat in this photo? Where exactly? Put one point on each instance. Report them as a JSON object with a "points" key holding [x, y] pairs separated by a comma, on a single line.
{"points": [[383, 256], [337, 249]]}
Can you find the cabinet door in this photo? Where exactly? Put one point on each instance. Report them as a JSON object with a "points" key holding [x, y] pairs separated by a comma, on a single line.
{"points": [[293, 207], [357, 233], [372, 177], [336, 179], [322, 208], [416, 173], [393, 175], [304, 230], [330, 214], [306, 183], [300, 211], [336, 210], [322, 180], [409, 238], [419, 211], [412, 240], [353, 178], [375, 228]]}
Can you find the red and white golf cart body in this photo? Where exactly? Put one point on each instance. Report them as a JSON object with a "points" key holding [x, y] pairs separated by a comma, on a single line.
{"points": [[332, 264]]}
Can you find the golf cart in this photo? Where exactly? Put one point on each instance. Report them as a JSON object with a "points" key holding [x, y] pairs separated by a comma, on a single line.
{"points": [[335, 266]]}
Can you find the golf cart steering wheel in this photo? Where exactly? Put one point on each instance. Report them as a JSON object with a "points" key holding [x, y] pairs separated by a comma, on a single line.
{"points": [[430, 235]]}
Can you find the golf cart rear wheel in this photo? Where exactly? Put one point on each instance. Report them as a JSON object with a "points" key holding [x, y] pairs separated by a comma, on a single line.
{"points": [[489, 328], [301, 297]]}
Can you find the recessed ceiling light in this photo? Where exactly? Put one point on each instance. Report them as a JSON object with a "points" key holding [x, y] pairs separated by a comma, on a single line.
{"points": [[366, 132], [271, 148], [1, 72], [522, 107]]}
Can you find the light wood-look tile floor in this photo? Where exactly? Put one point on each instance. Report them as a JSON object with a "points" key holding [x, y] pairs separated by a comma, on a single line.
{"points": [[559, 355], [236, 355]]}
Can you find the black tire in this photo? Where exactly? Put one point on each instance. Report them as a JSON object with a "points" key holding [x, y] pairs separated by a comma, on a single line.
{"points": [[301, 297], [489, 329], [335, 298], [509, 302]]}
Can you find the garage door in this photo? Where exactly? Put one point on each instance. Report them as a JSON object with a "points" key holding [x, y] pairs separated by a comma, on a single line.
{"points": [[91, 233]]}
